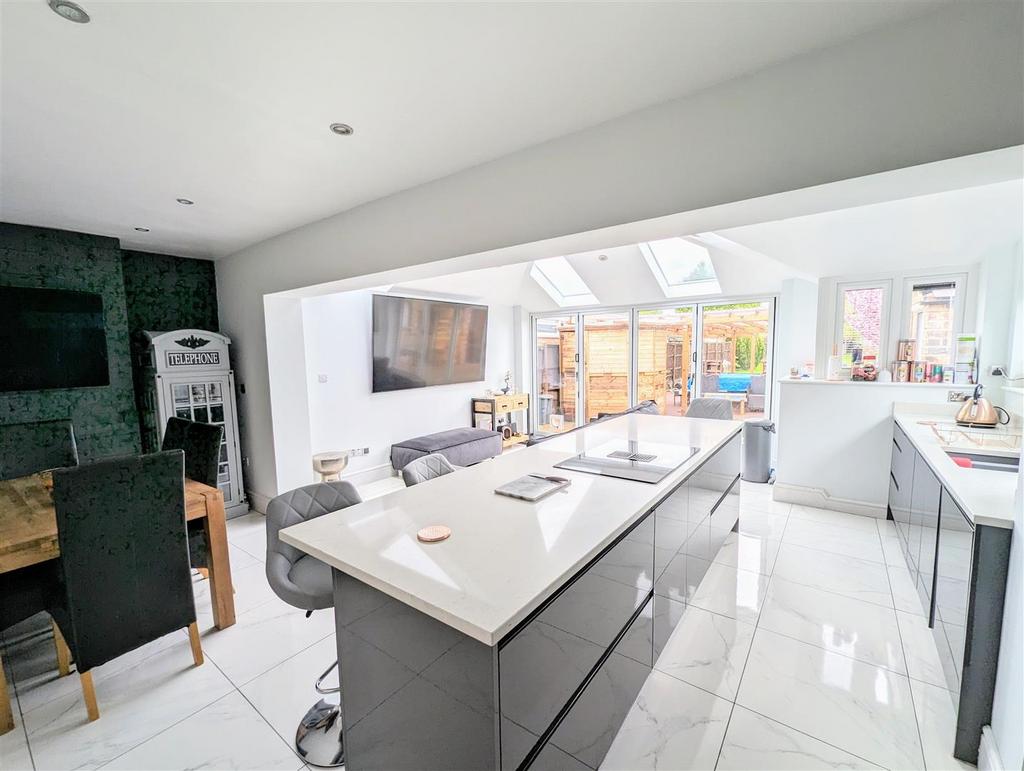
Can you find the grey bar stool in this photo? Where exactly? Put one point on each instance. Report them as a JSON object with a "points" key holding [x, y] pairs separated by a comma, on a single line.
{"points": [[719, 409], [305, 582], [426, 468]]}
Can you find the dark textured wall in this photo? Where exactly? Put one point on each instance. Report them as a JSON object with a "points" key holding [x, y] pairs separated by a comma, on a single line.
{"points": [[104, 417], [141, 291], [163, 293]]}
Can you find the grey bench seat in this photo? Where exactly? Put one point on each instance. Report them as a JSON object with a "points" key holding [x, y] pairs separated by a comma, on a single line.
{"points": [[461, 446]]}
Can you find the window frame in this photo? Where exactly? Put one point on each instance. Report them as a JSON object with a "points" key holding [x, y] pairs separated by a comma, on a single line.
{"points": [[960, 282], [884, 353]]}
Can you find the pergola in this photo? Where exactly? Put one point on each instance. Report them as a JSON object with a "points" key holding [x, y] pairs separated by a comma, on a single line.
{"points": [[724, 326]]}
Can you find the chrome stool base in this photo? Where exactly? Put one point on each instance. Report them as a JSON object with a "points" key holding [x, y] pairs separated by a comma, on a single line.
{"points": [[320, 740]]}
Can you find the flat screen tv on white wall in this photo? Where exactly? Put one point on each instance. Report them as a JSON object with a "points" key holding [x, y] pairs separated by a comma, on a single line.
{"points": [[419, 343]]}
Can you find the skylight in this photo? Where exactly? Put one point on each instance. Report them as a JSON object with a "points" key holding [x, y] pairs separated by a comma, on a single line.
{"points": [[681, 267], [562, 283]]}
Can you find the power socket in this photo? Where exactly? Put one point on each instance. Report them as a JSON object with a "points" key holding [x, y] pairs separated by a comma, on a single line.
{"points": [[359, 451], [957, 396], [997, 370]]}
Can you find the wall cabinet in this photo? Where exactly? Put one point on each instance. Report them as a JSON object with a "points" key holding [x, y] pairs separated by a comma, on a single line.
{"points": [[960, 572]]}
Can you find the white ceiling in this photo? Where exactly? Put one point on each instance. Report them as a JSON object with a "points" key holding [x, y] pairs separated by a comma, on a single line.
{"points": [[944, 229], [949, 229], [228, 103]]}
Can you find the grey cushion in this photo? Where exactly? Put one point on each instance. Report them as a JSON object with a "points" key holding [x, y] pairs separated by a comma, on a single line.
{"points": [[313, 576], [461, 446], [303, 586], [426, 468], [719, 409]]}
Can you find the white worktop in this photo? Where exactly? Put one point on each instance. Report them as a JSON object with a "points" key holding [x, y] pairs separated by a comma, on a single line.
{"points": [[987, 497], [505, 556]]}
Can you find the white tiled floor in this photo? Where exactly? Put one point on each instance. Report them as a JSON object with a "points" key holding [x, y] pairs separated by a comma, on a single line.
{"points": [[798, 651], [804, 647]]}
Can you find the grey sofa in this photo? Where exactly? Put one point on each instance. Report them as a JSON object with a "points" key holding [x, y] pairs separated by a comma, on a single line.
{"points": [[461, 446]]}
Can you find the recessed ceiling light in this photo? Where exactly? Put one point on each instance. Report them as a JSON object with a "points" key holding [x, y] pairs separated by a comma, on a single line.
{"points": [[184, 201], [70, 11], [602, 257], [142, 230], [342, 129]]}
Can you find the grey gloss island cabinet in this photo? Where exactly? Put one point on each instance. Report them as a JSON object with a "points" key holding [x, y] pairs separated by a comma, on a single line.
{"points": [[959, 569], [553, 692]]}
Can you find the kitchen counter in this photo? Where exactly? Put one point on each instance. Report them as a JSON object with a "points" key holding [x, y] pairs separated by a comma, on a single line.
{"points": [[505, 556], [987, 497]]}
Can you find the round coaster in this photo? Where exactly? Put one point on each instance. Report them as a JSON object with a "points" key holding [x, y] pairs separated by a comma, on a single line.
{"points": [[434, 533]]}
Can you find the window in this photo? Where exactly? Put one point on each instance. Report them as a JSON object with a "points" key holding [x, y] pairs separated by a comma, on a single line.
{"points": [[934, 316], [862, 312], [681, 267], [562, 283]]}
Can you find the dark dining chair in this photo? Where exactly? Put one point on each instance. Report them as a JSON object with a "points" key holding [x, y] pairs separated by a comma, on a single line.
{"points": [[124, 569], [201, 444], [27, 448]]}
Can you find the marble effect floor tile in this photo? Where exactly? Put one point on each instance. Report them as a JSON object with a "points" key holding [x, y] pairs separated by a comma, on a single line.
{"points": [[228, 734], [837, 518], [756, 742], [905, 596], [672, 725], [848, 576], [264, 637], [283, 694], [748, 552], [861, 630], [135, 705], [731, 592], [14, 748], [862, 544], [936, 718], [764, 504], [924, 661], [859, 708], [770, 526], [708, 651]]}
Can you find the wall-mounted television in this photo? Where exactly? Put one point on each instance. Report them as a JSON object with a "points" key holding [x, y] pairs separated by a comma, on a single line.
{"points": [[419, 343], [51, 338]]}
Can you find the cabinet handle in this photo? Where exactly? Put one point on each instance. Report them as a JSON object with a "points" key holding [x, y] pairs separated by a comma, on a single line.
{"points": [[893, 478], [897, 445]]}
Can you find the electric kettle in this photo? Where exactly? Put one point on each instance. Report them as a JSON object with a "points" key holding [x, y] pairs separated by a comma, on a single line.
{"points": [[981, 413]]}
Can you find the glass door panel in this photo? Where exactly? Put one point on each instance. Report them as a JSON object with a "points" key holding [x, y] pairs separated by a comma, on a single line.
{"points": [[606, 363], [664, 358], [555, 378], [734, 355]]}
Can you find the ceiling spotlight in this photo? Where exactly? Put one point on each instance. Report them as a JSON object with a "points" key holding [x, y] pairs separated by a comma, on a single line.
{"points": [[342, 129], [184, 201], [602, 257], [142, 230], [68, 10]]}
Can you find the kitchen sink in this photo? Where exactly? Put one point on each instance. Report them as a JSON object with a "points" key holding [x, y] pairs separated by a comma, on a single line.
{"points": [[988, 462]]}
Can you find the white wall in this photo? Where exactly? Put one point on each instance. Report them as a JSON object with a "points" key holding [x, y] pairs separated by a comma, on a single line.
{"points": [[943, 85], [1000, 293], [834, 442], [344, 413]]}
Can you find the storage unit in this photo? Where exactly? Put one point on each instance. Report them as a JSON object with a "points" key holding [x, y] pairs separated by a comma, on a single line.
{"points": [[960, 572], [191, 378], [494, 412]]}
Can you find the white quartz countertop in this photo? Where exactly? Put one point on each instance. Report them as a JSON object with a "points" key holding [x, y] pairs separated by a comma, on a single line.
{"points": [[987, 497], [505, 556]]}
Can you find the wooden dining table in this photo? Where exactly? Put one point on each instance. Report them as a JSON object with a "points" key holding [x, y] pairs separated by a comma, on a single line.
{"points": [[28, 533], [28, 536]]}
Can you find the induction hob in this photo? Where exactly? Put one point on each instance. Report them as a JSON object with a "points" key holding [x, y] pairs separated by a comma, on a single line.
{"points": [[639, 461]]}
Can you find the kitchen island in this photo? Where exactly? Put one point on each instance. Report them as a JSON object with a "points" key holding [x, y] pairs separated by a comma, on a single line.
{"points": [[523, 639]]}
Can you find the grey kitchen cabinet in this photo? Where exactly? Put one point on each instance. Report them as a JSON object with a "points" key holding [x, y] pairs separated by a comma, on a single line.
{"points": [[924, 521], [960, 571], [901, 480]]}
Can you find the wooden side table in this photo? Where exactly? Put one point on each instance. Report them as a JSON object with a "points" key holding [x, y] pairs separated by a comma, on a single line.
{"points": [[503, 404]]}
